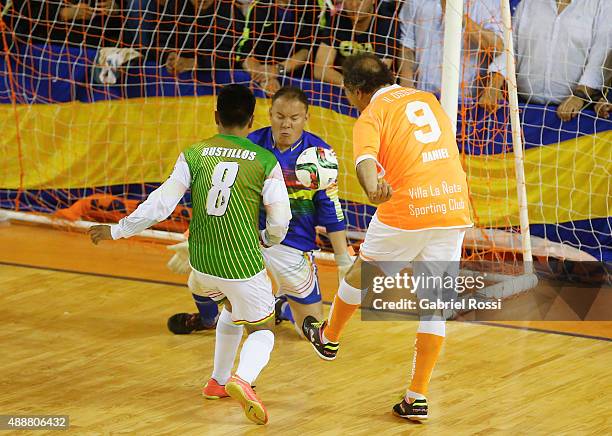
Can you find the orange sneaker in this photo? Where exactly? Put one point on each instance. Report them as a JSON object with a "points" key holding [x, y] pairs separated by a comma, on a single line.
{"points": [[213, 390], [242, 392]]}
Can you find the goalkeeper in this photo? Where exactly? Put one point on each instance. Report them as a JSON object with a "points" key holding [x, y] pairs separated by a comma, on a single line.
{"points": [[291, 263]]}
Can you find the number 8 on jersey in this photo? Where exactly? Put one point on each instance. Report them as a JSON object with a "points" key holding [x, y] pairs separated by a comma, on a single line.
{"points": [[223, 178]]}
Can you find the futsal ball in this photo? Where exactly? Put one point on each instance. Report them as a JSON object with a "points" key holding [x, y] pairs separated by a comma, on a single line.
{"points": [[317, 168]]}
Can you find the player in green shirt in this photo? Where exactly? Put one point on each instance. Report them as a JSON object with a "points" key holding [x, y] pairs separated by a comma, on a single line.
{"points": [[230, 179]]}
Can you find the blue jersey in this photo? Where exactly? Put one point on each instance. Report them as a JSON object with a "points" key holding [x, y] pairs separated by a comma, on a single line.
{"points": [[309, 208]]}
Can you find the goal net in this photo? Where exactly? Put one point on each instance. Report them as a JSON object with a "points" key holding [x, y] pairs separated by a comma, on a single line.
{"points": [[97, 100]]}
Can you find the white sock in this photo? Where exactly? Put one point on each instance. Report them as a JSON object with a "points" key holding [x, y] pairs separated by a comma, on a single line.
{"points": [[432, 327], [348, 293], [255, 354], [227, 341], [415, 395]]}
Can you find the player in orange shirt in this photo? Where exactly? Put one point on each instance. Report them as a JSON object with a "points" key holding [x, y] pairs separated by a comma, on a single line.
{"points": [[407, 162]]}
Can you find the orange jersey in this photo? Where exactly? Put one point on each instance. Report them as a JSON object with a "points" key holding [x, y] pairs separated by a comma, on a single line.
{"points": [[410, 136]]}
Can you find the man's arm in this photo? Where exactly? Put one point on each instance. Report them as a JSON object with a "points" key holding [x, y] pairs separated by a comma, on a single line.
{"points": [[484, 39], [593, 73], [338, 241], [157, 207], [78, 11], [407, 68], [324, 65], [366, 148], [329, 214], [343, 259], [262, 74], [493, 92], [297, 60], [377, 189], [590, 85], [573, 104], [276, 204]]}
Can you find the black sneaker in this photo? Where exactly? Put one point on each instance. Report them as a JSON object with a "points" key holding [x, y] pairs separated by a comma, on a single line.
{"points": [[417, 411], [185, 323], [312, 330]]}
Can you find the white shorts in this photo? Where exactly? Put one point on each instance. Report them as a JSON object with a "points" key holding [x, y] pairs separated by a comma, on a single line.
{"points": [[252, 299], [294, 271], [394, 249], [430, 252]]}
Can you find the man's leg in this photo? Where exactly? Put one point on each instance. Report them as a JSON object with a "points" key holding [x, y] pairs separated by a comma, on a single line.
{"points": [[227, 340], [255, 352], [207, 308], [428, 343], [324, 336], [295, 273], [389, 250], [206, 319], [252, 305], [283, 310], [346, 302], [440, 257], [300, 311]]}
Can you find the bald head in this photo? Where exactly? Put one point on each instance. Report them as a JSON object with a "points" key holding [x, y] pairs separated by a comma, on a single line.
{"points": [[365, 72]]}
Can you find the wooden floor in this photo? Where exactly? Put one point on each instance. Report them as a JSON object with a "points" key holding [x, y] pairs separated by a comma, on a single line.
{"points": [[96, 348]]}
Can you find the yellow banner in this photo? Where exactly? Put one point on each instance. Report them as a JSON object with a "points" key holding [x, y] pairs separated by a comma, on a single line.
{"points": [[77, 145]]}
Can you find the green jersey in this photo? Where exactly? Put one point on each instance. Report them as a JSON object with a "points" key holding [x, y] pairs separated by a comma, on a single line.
{"points": [[227, 178]]}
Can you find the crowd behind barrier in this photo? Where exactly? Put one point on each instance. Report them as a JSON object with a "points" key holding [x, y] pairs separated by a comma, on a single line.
{"points": [[65, 52]]}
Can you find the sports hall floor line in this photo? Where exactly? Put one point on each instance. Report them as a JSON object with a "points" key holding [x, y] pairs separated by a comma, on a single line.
{"points": [[85, 273], [160, 282], [535, 329]]}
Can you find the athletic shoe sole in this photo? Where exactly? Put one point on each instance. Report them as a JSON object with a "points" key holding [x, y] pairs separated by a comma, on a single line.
{"points": [[213, 397], [253, 410], [412, 417], [329, 359]]}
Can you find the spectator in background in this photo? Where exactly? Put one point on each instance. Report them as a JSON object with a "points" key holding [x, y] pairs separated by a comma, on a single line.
{"points": [[94, 23], [560, 50], [422, 25], [278, 38], [359, 27], [140, 20], [199, 34], [204, 35]]}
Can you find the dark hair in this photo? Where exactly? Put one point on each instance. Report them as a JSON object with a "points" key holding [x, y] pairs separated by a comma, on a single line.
{"points": [[235, 104], [291, 93], [366, 72]]}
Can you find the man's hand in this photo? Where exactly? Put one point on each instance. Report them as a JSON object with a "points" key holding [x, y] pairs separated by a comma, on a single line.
{"points": [[265, 75], [176, 64], [80, 11], [570, 108], [179, 263], [104, 7], [270, 86], [490, 98], [603, 108], [383, 192], [344, 262], [100, 233]]}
